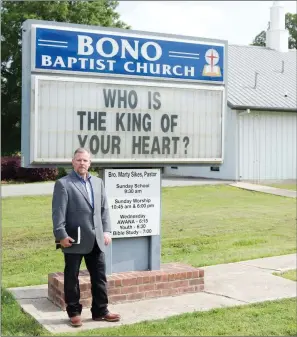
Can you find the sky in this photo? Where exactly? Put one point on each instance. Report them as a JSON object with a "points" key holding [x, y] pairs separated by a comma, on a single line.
{"points": [[238, 22]]}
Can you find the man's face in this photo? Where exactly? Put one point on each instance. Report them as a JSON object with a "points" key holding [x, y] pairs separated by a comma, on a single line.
{"points": [[81, 163]]}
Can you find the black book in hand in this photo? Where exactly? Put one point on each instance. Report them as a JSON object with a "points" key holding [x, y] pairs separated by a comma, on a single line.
{"points": [[74, 233]]}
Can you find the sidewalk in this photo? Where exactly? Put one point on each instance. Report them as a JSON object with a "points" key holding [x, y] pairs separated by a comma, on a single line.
{"points": [[226, 285], [266, 189], [47, 188]]}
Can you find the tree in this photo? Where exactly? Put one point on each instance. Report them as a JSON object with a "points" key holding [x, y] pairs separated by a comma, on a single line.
{"points": [[291, 25], [260, 39], [13, 14]]}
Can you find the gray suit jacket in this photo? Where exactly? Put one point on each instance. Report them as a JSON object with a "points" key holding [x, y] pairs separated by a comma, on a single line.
{"points": [[71, 208]]}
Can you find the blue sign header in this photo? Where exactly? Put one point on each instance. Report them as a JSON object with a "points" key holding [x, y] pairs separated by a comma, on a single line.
{"points": [[132, 56]]}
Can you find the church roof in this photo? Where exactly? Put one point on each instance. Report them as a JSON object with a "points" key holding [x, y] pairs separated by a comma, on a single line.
{"points": [[261, 78]]}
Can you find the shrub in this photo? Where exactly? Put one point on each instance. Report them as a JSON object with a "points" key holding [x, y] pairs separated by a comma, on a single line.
{"points": [[11, 170], [37, 174], [9, 167], [61, 172]]}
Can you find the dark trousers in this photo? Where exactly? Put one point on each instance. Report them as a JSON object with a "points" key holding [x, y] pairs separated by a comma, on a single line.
{"points": [[95, 262]]}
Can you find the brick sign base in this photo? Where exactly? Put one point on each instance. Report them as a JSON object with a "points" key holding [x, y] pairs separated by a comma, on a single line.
{"points": [[171, 280]]}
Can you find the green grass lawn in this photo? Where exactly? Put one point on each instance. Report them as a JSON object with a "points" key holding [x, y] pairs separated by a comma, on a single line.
{"points": [[290, 275], [201, 225]]}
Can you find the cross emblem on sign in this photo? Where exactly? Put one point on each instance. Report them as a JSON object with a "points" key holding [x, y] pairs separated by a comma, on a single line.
{"points": [[212, 57], [211, 68]]}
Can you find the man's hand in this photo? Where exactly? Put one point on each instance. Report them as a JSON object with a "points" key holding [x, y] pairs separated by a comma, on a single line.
{"points": [[67, 242], [107, 239]]}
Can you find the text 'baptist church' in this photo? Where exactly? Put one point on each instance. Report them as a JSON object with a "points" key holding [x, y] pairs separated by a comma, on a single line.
{"points": [[110, 48]]}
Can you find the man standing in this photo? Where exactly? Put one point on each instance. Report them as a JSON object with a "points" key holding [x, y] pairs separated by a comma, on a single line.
{"points": [[79, 201]]}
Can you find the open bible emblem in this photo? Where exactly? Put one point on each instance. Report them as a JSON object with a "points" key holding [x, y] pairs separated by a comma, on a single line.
{"points": [[211, 69]]}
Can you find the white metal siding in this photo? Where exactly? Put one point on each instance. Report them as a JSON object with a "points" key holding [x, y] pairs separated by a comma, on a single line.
{"points": [[267, 146], [228, 170]]}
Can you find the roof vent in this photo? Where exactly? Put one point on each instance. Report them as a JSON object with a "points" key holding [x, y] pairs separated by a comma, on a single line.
{"points": [[282, 68], [256, 80], [277, 36]]}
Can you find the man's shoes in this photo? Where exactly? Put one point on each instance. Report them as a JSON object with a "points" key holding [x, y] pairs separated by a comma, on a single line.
{"points": [[76, 321], [108, 318]]}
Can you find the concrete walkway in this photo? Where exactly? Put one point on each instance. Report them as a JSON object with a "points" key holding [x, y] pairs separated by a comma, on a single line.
{"points": [[18, 190], [47, 188], [266, 189], [226, 285]]}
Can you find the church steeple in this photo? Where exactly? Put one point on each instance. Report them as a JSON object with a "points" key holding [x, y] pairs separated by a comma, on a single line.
{"points": [[277, 37]]}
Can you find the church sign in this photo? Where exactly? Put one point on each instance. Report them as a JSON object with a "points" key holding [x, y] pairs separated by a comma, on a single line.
{"points": [[127, 96], [127, 54]]}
